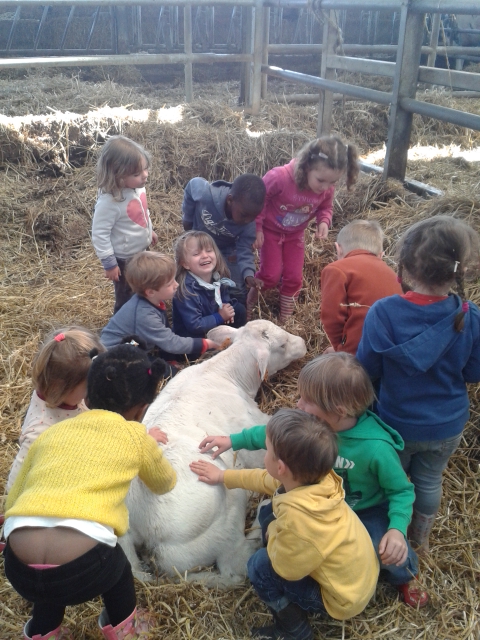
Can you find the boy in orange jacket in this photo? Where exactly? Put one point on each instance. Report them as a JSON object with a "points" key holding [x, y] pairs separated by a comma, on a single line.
{"points": [[352, 283]]}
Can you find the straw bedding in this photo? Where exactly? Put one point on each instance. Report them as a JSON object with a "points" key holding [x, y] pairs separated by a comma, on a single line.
{"points": [[50, 277]]}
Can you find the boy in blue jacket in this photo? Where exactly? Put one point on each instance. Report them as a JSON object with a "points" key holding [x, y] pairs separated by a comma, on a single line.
{"points": [[227, 212]]}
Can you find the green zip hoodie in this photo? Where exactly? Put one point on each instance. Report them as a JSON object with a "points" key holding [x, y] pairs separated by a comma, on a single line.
{"points": [[367, 462]]}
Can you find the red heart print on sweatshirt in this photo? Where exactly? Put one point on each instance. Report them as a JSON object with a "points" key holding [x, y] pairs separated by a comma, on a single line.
{"points": [[137, 210]]}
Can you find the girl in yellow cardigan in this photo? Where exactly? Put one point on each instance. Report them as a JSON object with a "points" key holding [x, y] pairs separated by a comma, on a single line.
{"points": [[66, 508]]}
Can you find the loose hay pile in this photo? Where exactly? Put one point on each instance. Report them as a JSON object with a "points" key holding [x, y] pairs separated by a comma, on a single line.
{"points": [[51, 277]]}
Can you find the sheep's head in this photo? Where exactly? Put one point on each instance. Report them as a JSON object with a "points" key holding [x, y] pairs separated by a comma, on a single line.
{"points": [[273, 347]]}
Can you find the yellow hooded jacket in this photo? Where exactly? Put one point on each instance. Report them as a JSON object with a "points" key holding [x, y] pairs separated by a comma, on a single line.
{"points": [[316, 534]]}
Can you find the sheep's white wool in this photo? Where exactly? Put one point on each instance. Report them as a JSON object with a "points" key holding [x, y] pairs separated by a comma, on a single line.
{"points": [[197, 524]]}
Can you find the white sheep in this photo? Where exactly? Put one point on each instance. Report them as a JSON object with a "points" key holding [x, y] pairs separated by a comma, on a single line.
{"points": [[196, 524]]}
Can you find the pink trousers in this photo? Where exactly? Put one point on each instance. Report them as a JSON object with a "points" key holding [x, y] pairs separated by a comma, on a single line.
{"points": [[281, 258]]}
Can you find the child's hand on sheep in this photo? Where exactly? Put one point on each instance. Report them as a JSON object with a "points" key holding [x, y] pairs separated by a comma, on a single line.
{"points": [[207, 472], [223, 443], [158, 435]]}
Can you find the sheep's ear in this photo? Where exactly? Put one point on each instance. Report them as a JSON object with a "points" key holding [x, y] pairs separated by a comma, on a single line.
{"points": [[221, 333], [262, 354]]}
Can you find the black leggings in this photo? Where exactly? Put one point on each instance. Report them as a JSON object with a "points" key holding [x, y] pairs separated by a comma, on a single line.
{"points": [[101, 571]]}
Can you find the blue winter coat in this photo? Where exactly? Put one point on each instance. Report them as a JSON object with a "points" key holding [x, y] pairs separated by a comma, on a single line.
{"points": [[423, 364], [196, 313]]}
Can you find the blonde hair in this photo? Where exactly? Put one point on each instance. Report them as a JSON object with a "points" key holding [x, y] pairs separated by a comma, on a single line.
{"points": [[361, 234], [204, 241], [120, 157], [330, 151], [336, 380], [62, 364], [149, 270]]}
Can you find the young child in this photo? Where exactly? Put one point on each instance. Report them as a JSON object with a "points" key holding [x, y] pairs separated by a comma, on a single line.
{"points": [[151, 277], [319, 556], [202, 300], [297, 193], [226, 211], [336, 388], [353, 283], [66, 508], [59, 375], [424, 347], [121, 221]]}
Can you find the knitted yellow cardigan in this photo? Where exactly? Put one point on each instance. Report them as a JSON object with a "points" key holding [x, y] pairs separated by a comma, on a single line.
{"points": [[82, 468]]}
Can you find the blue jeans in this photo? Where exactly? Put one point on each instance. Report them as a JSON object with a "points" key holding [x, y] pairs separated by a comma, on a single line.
{"points": [[277, 592], [424, 462], [376, 522]]}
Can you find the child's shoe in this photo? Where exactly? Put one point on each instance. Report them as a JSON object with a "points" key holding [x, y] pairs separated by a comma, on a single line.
{"points": [[412, 594], [60, 633], [291, 623], [137, 625]]}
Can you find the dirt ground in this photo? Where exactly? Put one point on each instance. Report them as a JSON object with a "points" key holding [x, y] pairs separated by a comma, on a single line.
{"points": [[51, 127]]}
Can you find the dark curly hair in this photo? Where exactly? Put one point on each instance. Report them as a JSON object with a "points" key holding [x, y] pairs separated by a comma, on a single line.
{"points": [[123, 377]]}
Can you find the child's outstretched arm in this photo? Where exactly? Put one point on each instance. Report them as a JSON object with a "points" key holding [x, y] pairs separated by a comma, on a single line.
{"points": [[251, 439], [207, 472]]}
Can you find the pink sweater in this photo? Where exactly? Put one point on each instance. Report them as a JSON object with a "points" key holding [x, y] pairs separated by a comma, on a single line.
{"points": [[289, 210]]}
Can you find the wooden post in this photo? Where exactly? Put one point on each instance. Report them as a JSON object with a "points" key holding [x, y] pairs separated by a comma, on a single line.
{"points": [[404, 86], [257, 57], [434, 39], [266, 37], [187, 38], [247, 47], [325, 105]]}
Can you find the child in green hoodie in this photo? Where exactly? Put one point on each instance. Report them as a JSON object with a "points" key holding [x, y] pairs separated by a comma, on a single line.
{"points": [[337, 389]]}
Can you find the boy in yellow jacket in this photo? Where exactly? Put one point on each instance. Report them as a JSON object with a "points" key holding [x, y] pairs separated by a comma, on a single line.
{"points": [[319, 556]]}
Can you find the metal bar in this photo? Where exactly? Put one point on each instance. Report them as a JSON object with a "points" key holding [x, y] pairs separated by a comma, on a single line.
{"points": [[380, 97], [404, 86], [149, 3], [40, 27], [257, 57], [92, 28], [460, 118], [187, 38], [71, 15], [455, 79], [444, 77], [133, 59], [412, 185], [13, 28], [432, 56], [417, 6]]}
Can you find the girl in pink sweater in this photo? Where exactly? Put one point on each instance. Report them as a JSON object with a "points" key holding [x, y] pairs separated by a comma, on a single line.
{"points": [[297, 193]]}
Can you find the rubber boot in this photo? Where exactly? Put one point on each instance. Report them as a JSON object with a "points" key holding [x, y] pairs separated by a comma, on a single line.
{"points": [[287, 305], [60, 633], [419, 531], [291, 623], [135, 626], [252, 301]]}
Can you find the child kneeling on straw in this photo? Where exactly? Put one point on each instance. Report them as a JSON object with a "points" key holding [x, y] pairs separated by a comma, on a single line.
{"points": [[319, 556]]}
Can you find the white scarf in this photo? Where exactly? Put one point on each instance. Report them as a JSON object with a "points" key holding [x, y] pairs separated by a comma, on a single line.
{"points": [[215, 285]]}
